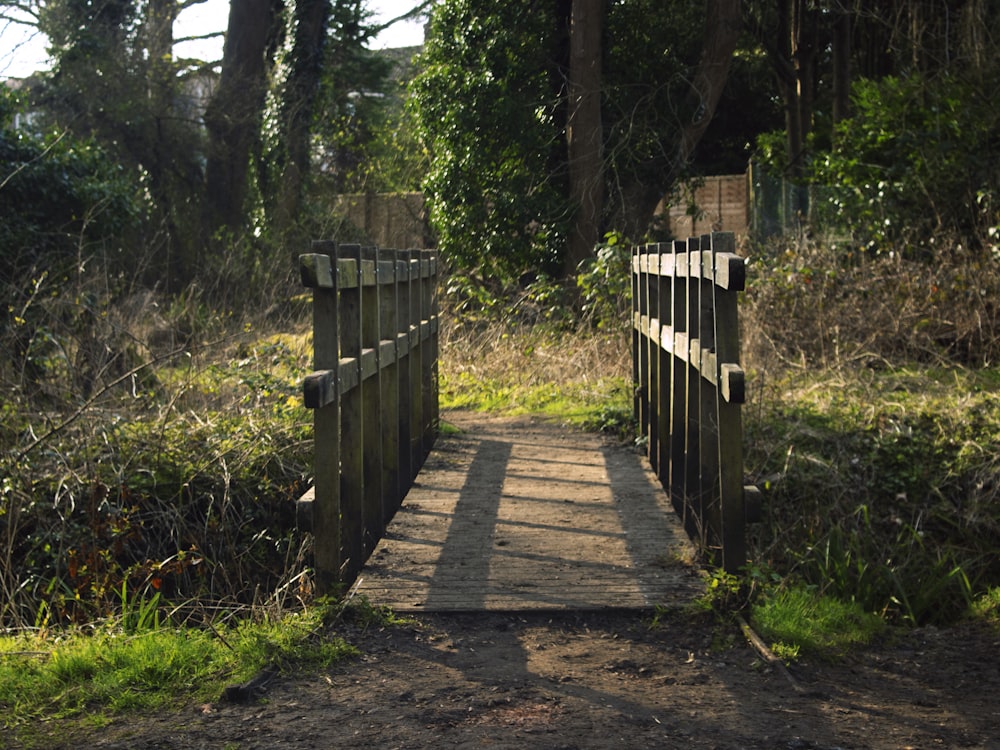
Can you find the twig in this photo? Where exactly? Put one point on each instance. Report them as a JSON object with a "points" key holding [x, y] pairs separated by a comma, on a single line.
{"points": [[769, 657], [90, 402]]}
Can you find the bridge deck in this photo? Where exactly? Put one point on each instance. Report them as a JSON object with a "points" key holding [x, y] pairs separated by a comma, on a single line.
{"points": [[520, 514]]}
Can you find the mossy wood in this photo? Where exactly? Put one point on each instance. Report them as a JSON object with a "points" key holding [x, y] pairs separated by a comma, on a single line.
{"points": [[373, 392], [689, 385]]}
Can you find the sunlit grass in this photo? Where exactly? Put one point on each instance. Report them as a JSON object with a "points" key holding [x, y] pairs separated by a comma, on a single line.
{"points": [[105, 672], [798, 621]]}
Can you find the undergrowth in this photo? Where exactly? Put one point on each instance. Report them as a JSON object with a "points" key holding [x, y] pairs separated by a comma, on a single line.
{"points": [[115, 667], [873, 426]]}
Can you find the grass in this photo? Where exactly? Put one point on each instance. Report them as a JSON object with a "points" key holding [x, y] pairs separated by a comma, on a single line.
{"points": [[578, 378], [799, 621], [882, 486], [90, 676]]}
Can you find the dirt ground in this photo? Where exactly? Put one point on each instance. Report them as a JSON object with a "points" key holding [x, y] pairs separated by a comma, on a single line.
{"points": [[597, 679]]}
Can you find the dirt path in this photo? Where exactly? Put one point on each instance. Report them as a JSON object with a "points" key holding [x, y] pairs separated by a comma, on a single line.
{"points": [[597, 679], [600, 681]]}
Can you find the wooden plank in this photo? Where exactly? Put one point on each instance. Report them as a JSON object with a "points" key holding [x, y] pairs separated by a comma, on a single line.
{"points": [[730, 442], [416, 364], [518, 514], [352, 471], [325, 513], [665, 370], [404, 357], [392, 487], [708, 406], [678, 380], [371, 400]]}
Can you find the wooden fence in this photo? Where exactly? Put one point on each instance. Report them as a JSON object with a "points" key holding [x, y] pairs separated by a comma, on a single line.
{"points": [[689, 385], [373, 392]]}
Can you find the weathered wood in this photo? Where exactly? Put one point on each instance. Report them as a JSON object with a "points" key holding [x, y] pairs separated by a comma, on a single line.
{"points": [[415, 363], [369, 433], [371, 406], [690, 386], [325, 515], [352, 468], [405, 353], [393, 488], [519, 514]]}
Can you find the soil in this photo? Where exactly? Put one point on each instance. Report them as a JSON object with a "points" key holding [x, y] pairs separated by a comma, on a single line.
{"points": [[599, 681], [674, 678]]}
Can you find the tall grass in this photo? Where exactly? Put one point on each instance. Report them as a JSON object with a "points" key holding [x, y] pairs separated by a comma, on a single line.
{"points": [[874, 424]]}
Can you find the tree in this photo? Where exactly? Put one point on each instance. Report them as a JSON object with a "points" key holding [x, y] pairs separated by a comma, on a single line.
{"points": [[552, 123], [234, 116], [487, 113], [584, 134]]}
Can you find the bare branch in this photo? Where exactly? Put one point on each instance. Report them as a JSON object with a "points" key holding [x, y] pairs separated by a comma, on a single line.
{"points": [[410, 15], [198, 37]]}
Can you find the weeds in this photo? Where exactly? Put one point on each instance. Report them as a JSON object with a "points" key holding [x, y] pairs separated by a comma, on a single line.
{"points": [[798, 621], [133, 663]]}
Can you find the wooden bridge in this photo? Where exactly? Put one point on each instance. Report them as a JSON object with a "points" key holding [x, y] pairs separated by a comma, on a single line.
{"points": [[524, 514], [519, 513]]}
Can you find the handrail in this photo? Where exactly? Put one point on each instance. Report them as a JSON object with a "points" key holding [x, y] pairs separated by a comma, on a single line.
{"points": [[689, 385], [373, 393]]}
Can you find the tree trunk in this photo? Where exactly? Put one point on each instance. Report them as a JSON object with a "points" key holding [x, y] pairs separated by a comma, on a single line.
{"points": [[842, 66], [634, 209], [723, 25], [234, 115], [298, 104], [584, 133]]}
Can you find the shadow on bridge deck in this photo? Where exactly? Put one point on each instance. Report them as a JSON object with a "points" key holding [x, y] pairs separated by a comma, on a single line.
{"points": [[520, 514]]}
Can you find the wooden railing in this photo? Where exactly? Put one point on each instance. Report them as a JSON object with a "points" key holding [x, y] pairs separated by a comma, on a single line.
{"points": [[374, 395], [689, 386]]}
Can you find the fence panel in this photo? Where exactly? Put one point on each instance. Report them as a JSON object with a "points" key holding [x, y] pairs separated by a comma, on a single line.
{"points": [[689, 385], [373, 392]]}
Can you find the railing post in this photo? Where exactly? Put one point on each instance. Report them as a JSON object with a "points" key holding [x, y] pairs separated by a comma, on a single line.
{"points": [[393, 489], [694, 517], [404, 349], [663, 352], [679, 380], [352, 477], [708, 404], [428, 351], [730, 278], [319, 271], [416, 360], [652, 264], [371, 392]]}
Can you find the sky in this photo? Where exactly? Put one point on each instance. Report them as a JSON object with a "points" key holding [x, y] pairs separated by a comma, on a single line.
{"points": [[22, 54]]}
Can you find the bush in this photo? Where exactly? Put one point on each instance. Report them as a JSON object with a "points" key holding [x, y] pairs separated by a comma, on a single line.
{"points": [[913, 170]]}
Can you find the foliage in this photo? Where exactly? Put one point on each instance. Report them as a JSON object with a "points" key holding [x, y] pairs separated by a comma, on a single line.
{"points": [[116, 669], [352, 103], [60, 198], [181, 485], [913, 167], [485, 111], [848, 307], [799, 622], [881, 488], [491, 109], [605, 283]]}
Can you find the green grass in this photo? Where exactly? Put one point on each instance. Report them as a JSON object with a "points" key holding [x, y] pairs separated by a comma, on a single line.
{"points": [[64, 675], [987, 607], [881, 485], [798, 621]]}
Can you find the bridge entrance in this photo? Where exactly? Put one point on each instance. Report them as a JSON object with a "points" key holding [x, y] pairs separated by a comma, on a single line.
{"points": [[520, 514]]}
